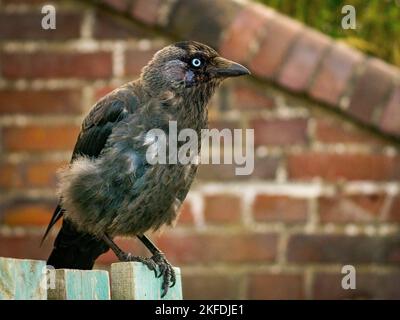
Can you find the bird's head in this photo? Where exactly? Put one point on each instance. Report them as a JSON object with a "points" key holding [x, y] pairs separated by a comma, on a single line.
{"points": [[189, 66]]}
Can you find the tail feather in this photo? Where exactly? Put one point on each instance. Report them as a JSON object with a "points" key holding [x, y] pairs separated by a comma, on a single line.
{"points": [[74, 249], [58, 213]]}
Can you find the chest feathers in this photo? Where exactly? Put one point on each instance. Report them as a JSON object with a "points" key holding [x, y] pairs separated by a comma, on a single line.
{"points": [[120, 192]]}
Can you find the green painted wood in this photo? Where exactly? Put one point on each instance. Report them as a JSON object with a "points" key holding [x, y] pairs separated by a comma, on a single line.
{"points": [[22, 279], [134, 281], [80, 285]]}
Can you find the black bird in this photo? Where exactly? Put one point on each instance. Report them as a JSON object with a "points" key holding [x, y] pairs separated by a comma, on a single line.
{"points": [[109, 188]]}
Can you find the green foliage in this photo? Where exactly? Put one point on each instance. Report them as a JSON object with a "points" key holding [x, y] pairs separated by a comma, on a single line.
{"points": [[378, 22]]}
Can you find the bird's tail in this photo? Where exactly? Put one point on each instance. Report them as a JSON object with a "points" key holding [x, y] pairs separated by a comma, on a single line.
{"points": [[74, 249]]}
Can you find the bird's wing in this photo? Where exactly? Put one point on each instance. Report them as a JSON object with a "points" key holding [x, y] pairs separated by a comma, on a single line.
{"points": [[97, 127]]}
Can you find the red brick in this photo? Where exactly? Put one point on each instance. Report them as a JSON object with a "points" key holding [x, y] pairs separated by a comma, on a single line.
{"points": [[390, 120], [221, 125], [30, 2], [279, 208], [329, 131], [40, 102], [334, 74], [394, 213], [264, 168], [25, 246], [370, 286], [42, 174], [30, 174], [57, 65], [28, 26], [343, 249], [279, 132], [351, 208], [137, 59], [28, 214], [280, 34], [119, 5], [207, 27], [275, 286], [217, 172], [186, 216], [243, 33], [107, 27], [146, 11], [10, 176], [222, 209], [303, 60], [247, 98], [370, 90], [37, 138], [103, 91], [216, 248], [224, 124], [210, 287], [343, 166]]}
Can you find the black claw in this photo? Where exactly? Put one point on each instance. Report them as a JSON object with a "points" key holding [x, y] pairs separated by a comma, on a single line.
{"points": [[160, 266], [148, 262], [157, 263], [162, 269], [165, 285], [166, 271], [173, 279]]}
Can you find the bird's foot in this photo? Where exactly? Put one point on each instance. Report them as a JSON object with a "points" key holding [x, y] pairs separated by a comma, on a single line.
{"points": [[164, 267], [166, 271]]}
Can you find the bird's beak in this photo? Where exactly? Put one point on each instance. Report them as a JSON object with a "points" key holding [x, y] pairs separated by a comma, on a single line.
{"points": [[226, 68]]}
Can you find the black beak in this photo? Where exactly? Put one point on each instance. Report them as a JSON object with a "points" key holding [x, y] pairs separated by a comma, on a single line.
{"points": [[226, 68]]}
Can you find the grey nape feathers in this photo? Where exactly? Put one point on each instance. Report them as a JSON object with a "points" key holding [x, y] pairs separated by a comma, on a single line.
{"points": [[109, 188]]}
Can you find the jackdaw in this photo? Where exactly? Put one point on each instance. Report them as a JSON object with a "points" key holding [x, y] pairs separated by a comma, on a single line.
{"points": [[109, 188]]}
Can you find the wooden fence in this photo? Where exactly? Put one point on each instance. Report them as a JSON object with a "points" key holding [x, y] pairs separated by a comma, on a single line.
{"points": [[22, 279]]}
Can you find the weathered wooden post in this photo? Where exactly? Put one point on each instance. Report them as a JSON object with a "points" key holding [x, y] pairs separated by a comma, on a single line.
{"points": [[134, 281], [80, 285], [22, 279]]}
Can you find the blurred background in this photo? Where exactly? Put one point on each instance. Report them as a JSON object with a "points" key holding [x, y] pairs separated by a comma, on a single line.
{"points": [[324, 103]]}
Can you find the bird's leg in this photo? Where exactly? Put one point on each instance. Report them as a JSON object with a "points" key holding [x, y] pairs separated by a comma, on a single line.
{"points": [[125, 257], [165, 268]]}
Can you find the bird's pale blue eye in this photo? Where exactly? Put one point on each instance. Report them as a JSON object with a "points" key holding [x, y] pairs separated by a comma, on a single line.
{"points": [[196, 62]]}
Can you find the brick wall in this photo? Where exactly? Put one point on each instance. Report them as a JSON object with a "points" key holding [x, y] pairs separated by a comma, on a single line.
{"points": [[325, 190]]}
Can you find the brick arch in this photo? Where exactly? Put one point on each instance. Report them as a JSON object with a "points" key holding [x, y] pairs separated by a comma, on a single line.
{"points": [[279, 49]]}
